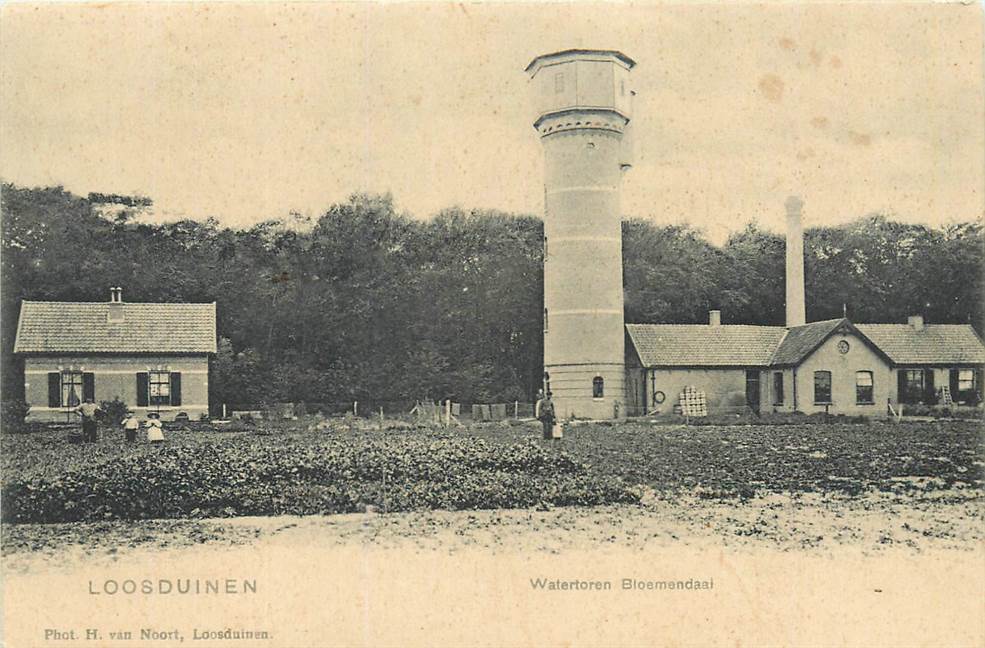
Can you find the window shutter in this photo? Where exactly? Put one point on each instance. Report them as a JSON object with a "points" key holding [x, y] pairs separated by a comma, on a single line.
{"points": [[54, 389], [176, 388], [901, 395], [928, 385], [89, 386], [142, 389]]}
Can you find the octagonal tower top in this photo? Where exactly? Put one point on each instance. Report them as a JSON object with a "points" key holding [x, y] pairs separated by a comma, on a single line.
{"points": [[582, 80]]}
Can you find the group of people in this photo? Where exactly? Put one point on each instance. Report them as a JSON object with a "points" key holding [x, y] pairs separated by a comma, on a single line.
{"points": [[88, 412]]}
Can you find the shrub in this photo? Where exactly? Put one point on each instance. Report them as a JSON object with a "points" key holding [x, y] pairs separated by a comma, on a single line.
{"points": [[12, 415], [114, 411]]}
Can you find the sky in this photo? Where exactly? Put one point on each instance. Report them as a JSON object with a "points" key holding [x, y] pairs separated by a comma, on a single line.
{"points": [[248, 112]]}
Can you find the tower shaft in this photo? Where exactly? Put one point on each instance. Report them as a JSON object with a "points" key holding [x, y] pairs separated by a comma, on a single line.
{"points": [[582, 124]]}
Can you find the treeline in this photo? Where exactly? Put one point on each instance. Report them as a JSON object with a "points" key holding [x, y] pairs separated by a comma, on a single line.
{"points": [[369, 304]]}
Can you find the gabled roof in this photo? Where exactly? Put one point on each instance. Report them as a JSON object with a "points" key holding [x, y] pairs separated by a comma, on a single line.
{"points": [[801, 341], [83, 327], [934, 344], [703, 345]]}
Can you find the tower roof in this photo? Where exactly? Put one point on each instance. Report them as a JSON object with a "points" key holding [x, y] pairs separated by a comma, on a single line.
{"points": [[543, 58]]}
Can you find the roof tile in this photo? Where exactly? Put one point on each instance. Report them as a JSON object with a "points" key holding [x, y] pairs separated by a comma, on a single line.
{"points": [[934, 344], [704, 345], [83, 327]]}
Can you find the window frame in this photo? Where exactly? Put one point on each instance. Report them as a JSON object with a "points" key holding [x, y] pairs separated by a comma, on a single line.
{"points": [[871, 387], [913, 395], [598, 387], [159, 399], [972, 386], [830, 379], [72, 374], [778, 396]]}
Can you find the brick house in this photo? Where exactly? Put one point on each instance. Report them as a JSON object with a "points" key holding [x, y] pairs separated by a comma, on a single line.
{"points": [[831, 366], [152, 356]]}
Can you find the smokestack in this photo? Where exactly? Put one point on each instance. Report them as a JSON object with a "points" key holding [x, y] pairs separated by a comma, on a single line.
{"points": [[796, 312], [916, 321], [714, 318]]}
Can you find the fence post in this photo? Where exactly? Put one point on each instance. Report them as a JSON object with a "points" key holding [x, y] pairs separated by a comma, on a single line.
{"points": [[223, 410], [355, 408], [448, 412], [516, 409]]}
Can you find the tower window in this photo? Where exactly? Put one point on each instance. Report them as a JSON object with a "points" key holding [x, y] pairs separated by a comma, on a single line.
{"points": [[545, 320], [598, 387], [559, 82]]}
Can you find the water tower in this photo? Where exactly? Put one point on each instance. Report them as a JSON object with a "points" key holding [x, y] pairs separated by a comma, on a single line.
{"points": [[584, 102]]}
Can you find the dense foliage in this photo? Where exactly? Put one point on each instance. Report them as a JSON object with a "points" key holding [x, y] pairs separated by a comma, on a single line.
{"points": [[366, 303]]}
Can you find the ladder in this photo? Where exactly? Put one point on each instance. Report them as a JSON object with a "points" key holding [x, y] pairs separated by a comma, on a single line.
{"points": [[946, 395]]}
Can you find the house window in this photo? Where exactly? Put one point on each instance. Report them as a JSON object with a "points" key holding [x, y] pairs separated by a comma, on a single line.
{"points": [[778, 388], [965, 385], [822, 387], [159, 383], [71, 388], [545, 320], [912, 386], [559, 82], [863, 388], [598, 387]]}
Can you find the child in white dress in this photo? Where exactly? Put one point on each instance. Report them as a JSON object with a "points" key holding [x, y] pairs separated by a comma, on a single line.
{"points": [[155, 433]]}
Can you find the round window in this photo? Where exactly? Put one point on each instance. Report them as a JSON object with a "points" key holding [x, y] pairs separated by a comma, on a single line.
{"points": [[843, 346]]}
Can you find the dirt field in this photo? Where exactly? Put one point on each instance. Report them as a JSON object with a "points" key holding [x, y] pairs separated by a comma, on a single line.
{"points": [[807, 488]]}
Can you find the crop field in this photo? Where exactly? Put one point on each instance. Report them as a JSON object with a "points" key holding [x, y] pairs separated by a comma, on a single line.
{"points": [[350, 466]]}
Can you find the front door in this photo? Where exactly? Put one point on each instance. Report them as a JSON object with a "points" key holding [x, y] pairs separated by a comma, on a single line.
{"points": [[752, 390]]}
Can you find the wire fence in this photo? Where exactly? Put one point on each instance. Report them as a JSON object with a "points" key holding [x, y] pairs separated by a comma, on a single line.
{"points": [[376, 408]]}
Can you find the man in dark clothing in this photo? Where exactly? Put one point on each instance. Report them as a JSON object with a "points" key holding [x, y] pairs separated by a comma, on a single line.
{"points": [[87, 411], [545, 412]]}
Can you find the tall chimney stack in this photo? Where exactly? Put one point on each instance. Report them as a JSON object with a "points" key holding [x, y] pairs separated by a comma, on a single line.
{"points": [[796, 311]]}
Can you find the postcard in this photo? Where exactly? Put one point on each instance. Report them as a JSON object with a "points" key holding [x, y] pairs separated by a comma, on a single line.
{"points": [[492, 324]]}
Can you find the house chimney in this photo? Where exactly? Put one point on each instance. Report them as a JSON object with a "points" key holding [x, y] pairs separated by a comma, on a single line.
{"points": [[115, 313], [714, 318], [916, 321], [796, 312]]}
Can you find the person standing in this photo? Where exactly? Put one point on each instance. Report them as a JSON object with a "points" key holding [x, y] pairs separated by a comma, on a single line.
{"points": [[88, 411], [155, 433], [545, 412], [130, 426]]}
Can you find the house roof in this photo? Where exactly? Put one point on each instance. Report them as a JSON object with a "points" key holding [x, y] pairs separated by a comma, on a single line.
{"points": [[83, 327], [934, 344], [800, 341], [703, 345]]}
